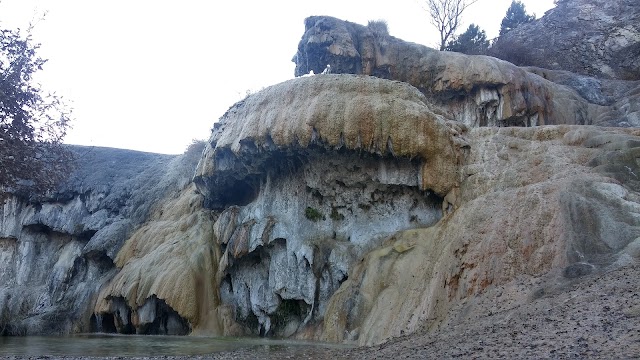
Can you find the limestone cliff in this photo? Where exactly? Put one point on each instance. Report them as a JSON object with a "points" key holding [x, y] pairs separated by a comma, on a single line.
{"points": [[588, 37], [311, 173], [167, 279], [56, 254]]}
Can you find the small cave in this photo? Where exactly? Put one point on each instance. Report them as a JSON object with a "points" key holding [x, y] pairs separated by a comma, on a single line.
{"points": [[166, 321], [40, 229], [155, 317], [289, 316], [102, 323], [100, 259], [85, 236], [236, 192]]}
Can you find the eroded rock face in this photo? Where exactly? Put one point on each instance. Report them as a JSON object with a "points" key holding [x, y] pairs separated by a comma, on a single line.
{"points": [[296, 242], [309, 175], [589, 37], [553, 204], [619, 101], [167, 273], [341, 207], [352, 113], [473, 90], [57, 254]]}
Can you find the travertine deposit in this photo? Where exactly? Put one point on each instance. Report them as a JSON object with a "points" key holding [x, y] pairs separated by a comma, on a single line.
{"points": [[397, 194], [474, 90]]}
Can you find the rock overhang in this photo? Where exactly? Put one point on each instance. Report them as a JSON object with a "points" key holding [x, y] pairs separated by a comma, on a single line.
{"points": [[282, 125]]}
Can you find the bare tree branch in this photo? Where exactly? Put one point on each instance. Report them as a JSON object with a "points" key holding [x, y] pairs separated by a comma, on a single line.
{"points": [[446, 15]]}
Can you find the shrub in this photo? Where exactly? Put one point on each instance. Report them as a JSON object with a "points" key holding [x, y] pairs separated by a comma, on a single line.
{"points": [[471, 42], [33, 123], [379, 27], [313, 214]]}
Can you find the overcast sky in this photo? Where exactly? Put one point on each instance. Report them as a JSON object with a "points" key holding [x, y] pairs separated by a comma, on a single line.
{"points": [[152, 75]]}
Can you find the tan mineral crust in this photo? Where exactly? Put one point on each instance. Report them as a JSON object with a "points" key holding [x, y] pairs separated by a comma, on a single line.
{"points": [[361, 113], [528, 202]]}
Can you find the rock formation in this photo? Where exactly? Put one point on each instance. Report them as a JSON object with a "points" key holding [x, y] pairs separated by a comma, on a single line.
{"points": [[58, 253], [311, 173], [473, 90], [341, 207], [167, 281], [536, 203], [588, 37]]}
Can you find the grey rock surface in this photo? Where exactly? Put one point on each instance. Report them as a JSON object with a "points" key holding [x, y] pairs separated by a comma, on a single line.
{"points": [[477, 91], [589, 37], [57, 253], [287, 251]]}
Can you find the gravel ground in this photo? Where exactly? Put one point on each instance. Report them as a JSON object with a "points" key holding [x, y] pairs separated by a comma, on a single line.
{"points": [[596, 318]]}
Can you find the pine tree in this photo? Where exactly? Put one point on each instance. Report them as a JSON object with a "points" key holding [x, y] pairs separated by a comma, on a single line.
{"points": [[516, 15], [472, 42]]}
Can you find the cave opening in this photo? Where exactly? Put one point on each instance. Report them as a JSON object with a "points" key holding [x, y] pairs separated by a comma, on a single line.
{"points": [[103, 323], [289, 316]]}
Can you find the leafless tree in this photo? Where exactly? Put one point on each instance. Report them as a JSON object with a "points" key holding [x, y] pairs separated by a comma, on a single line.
{"points": [[446, 15]]}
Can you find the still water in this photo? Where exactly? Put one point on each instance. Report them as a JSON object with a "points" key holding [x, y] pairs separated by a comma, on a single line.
{"points": [[139, 345]]}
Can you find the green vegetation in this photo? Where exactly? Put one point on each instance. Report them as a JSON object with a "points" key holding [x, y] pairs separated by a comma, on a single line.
{"points": [[313, 214], [516, 15], [445, 16], [33, 122], [471, 42]]}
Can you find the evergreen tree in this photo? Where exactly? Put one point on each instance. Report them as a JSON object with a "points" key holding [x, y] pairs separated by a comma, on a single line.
{"points": [[516, 15], [472, 42]]}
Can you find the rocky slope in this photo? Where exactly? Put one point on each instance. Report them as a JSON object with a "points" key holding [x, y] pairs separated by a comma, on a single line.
{"points": [[342, 207], [589, 37], [594, 317]]}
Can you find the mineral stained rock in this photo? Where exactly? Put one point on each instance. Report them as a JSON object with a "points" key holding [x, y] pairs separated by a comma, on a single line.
{"points": [[473, 90], [56, 254], [539, 203], [166, 281], [311, 173], [341, 207]]}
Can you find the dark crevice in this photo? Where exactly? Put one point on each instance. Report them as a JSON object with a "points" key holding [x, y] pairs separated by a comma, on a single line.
{"points": [[237, 179]]}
